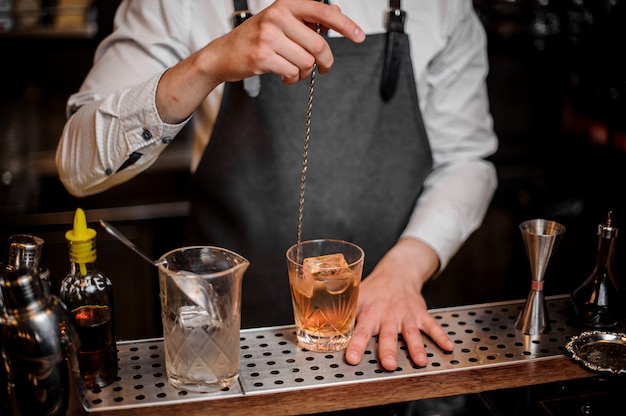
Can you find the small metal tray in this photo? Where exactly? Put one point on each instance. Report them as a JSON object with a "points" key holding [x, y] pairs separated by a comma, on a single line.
{"points": [[599, 351]]}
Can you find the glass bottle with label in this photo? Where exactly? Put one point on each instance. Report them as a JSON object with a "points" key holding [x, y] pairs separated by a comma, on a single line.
{"points": [[88, 295], [597, 301]]}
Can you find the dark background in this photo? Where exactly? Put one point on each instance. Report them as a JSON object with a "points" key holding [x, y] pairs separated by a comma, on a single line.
{"points": [[557, 90]]}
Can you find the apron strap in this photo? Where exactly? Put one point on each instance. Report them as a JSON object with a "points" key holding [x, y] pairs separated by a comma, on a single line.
{"points": [[240, 5], [393, 56], [241, 12], [252, 85]]}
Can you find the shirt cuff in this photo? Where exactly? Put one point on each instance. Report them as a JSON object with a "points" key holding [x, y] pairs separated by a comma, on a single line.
{"points": [[140, 120], [440, 229]]}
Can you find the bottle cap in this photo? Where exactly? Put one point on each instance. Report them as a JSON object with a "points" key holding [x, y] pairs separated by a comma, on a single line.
{"points": [[24, 251], [82, 240], [606, 229], [80, 233]]}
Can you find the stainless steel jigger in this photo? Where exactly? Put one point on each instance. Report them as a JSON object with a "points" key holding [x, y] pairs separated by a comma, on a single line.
{"points": [[540, 239]]}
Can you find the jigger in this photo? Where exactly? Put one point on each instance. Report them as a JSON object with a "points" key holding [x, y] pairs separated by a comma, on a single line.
{"points": [[540, 239]]}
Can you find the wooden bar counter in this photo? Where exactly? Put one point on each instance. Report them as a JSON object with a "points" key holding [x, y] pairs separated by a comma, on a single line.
{"points": [[277, 377]]}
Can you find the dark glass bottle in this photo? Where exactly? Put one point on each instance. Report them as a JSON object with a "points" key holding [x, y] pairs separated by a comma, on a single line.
{"points": [[597, 301], [88, 295], [38, 349]]}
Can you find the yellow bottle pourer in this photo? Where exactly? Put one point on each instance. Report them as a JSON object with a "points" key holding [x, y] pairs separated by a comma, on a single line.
{"points": [[82, 242]]}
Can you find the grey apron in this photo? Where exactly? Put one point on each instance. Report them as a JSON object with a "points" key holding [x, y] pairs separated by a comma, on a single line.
{"points": [[367, 160]]}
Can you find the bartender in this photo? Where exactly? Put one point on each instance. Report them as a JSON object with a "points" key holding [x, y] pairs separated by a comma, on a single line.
{"points": [[400, 129]]}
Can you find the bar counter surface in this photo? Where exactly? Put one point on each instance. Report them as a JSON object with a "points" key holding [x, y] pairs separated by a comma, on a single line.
{"points": [[277, 377]]}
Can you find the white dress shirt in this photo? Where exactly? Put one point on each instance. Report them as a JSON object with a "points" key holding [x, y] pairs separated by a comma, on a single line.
{"points": [[117, 113]]}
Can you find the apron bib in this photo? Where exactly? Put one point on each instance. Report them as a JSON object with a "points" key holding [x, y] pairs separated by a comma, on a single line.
{"points": [[367, 160]]}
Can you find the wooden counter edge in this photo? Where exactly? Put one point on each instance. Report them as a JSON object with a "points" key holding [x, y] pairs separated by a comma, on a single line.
{"points": [[315, 400]]}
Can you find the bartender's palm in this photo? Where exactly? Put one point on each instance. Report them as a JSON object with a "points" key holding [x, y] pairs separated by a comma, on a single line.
{"points": [[391, 303]]}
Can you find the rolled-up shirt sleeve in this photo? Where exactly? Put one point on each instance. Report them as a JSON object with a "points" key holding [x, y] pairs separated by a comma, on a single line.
{"points": [[137, 136], [114, 130]]}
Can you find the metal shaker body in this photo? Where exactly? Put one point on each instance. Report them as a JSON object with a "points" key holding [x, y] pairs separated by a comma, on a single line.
{"points": [[38, 343]]}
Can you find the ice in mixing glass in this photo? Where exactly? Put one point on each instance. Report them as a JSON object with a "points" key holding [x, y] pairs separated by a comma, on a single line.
{"points": [[201, 333], [324, 283]]}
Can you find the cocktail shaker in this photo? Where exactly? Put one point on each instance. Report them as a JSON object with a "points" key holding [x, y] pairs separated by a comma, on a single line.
{"points": [[39, 343]]}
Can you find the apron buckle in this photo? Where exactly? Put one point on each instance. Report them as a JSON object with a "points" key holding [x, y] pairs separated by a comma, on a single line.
{"points": [[394, 20]]}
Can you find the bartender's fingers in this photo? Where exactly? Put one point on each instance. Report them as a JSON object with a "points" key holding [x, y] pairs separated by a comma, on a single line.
{"points": [[363, 331], [415, 341], [280, 40], [413, 326], [290, 16], [317, 12], [388, 345], [330, 17]]}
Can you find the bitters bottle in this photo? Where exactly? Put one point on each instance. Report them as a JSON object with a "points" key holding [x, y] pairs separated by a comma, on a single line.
{"points": [[88, 295]]}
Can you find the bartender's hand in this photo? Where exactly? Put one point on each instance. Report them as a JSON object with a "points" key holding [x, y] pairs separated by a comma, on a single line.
{"points": [[391, 303], [280, 39]]}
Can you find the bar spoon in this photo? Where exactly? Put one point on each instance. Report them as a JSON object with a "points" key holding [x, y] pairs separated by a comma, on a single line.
{"points": [[188, 282]]}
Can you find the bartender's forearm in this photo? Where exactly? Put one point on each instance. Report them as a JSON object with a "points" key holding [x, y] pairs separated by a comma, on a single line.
{"points": [[423, 259], [183, 87]]}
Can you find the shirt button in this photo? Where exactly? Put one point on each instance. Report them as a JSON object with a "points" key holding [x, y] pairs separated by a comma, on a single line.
{"points": [[166, 140], [146, 135], [108, 171]]}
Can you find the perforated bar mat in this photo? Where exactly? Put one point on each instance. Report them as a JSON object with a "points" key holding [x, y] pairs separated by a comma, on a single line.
{"points": [[484, 335]]}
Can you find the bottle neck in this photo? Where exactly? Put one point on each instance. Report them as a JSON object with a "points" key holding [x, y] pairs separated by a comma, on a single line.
{"points": [[83, 257], [83, 269], [606, 250]]}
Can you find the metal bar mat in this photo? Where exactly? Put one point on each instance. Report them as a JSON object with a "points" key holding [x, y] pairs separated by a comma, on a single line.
{"points": [[484, 335]]}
